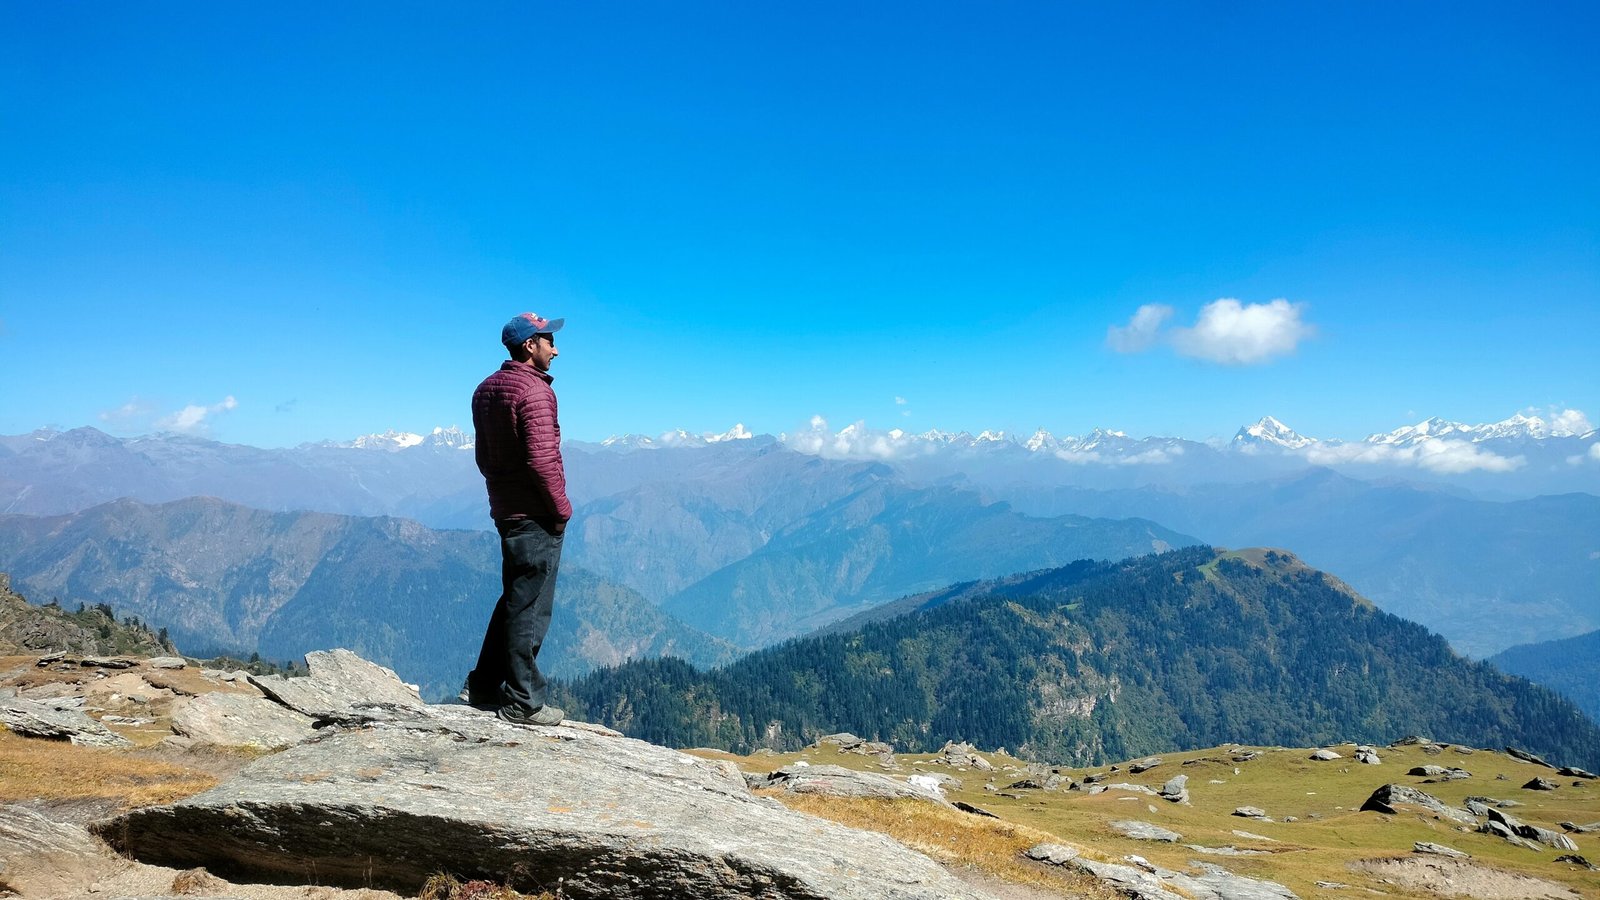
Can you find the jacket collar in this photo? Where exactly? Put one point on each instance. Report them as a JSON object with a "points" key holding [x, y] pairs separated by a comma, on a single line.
{"points": [[513, 365]]}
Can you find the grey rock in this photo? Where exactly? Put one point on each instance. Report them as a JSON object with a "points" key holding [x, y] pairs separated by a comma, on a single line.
{"points": [[40, 857], [1502, 830], [1250, 812], [1525, 756], [1436, 774], [1127, 786], [339, 681], [1438, 850], [842, 740], [416, 791], [837, 781], [41, 720], [1384, 798], [1325, 755], [1176, 789], [1228, 850], [167, 662], [1217, 883], [1540, 784], [107, 662], [1144, 765], [240, 720], [1577, 860], [1252, 837], [1368, 756], [1246, 756], [1144, 831], [963, 755], [1581, 829], [1129, 881], [1546, 836], [1571, 772], [1054, 854]]}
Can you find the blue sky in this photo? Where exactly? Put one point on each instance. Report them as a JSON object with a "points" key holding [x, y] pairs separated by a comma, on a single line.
{"points": [[758, 214]]}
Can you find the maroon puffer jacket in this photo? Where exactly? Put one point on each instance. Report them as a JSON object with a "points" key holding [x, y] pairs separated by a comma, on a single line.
{"points": [[518, 444]]}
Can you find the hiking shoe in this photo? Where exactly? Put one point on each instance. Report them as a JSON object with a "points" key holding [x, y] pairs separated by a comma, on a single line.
{"points": [[521, 715], [468, 697]]}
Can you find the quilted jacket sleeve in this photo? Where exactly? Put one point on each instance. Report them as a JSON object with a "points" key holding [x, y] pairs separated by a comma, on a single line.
{"points": [[541, 433]]}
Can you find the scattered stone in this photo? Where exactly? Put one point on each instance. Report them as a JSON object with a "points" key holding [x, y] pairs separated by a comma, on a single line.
{"points": [[1135, 883], [1577, 860], [1540, 784], [1253, 837], [963, 756], [1144, 831], [42, 858], [1125, 786], [1463, 749], [1250, 812], [41, 720], [417, 791], [975, 810], [1228, 850], [240, 720], [1411, 741], [1439, 774], [837, 781], [340, 681], [1246, 756], [1025, 784], [1581, 829], [1546, 836], [1291, 818], [1432, 749], [107, 662], [1384, 798], [1332, 885], [1502, 830], [49, 658], [1144, 765], [1217, 883], [1571, 772], [167, 662], [1176, 790], [1325, 755], [1438, 850], [1054, 854], [1525, 756], [1368, 756], [1096, 778]]}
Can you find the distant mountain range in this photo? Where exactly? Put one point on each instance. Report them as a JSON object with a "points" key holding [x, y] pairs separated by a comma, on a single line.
{"points": [[731, 530], [1103, 661], [224, 578], [1570, 666]]}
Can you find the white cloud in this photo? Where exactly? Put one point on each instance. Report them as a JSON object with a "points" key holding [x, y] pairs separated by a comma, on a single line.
{"points": [[192, 418], [1569, 422], [1141, 332], [1445, 456], [1242, 334], [901, 401], [132, 415]]}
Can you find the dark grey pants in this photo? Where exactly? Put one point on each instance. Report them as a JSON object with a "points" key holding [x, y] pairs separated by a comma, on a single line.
{"points": [[529, 557]]}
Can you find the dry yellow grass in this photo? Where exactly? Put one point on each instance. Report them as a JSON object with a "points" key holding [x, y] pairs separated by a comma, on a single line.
{"points": [[33, 769], [957, 839]]}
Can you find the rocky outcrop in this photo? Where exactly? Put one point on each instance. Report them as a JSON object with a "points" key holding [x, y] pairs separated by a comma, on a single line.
{"points": [[60, 723], [397, 793], [962, 756], [39, 857], [1176, 790], [1143, 880], [841, 782], [339, 682], [1144, 831], [1385, 798], [240, 720]]}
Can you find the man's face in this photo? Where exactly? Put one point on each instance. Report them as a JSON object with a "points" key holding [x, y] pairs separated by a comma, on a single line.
{"points": [[541, 350]]}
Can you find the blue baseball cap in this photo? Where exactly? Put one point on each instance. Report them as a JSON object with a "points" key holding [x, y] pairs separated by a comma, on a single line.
{"points": [[525, 326]]}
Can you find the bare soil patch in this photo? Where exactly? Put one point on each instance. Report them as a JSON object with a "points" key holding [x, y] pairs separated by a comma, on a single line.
{"points": [[1459, 878]]}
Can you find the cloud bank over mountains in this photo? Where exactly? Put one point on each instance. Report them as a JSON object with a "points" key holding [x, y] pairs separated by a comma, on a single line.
{"points": [[1434, 445], [1227, 332]]}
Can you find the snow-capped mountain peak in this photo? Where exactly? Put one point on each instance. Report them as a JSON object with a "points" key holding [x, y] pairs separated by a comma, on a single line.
{"points": [[390, 440], [1271, 432]]}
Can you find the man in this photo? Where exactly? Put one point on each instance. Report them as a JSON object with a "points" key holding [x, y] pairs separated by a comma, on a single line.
{"points": [[519, 453]]}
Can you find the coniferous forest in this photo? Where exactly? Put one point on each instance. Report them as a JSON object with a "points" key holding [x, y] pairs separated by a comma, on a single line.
{"points": [[1101, 661]]}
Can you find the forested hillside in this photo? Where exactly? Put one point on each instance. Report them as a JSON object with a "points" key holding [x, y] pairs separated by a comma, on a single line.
{"points": [[1098, 661]]}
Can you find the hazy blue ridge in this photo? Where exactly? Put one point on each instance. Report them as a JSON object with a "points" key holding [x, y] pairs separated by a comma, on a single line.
{"points": [[1098, 661], [1570, 667]]}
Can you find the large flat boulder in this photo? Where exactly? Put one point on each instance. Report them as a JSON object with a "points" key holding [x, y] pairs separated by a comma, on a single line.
{"points": [[43, 858], [240, 720], [57, 723], [338, 681], [410, 791]]}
